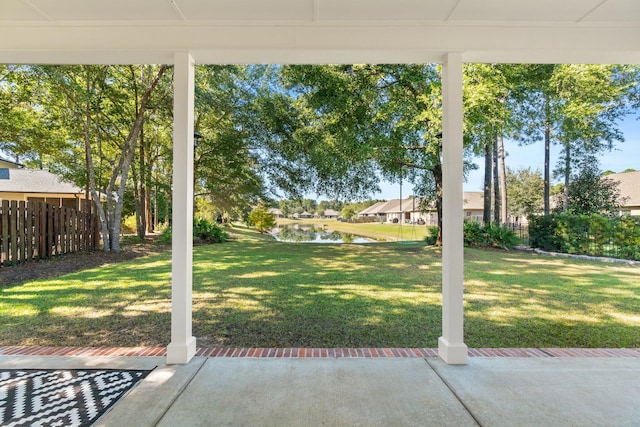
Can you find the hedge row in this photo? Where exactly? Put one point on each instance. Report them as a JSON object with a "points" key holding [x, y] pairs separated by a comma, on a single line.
{"points": [[477, 235], [595, 235]]}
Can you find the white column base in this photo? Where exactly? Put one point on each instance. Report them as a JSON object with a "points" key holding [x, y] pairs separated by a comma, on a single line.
{"points": [[181, 353], [452, 353]]}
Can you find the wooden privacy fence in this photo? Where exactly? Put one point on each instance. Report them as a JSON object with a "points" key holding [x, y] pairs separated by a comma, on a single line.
{"points": [[37, 230]]}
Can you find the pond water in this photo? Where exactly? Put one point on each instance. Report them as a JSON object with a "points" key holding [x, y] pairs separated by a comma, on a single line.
{"points": [[299, 233]]}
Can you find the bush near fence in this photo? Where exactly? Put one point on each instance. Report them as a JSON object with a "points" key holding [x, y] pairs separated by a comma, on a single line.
{"points": [[37, 230], [595, 235]]}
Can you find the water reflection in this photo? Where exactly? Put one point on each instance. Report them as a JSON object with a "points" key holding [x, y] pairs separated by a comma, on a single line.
{"points": [[305, 233]]}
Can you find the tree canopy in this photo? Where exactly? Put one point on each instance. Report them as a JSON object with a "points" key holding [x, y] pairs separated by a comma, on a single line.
{"points": [[273, 131]]}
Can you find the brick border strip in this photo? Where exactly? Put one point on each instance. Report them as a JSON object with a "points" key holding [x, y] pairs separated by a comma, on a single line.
{"points": [[316, 352]]}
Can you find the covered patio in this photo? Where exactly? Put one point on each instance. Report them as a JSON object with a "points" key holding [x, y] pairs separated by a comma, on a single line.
{"points": [[269, 387], [189, 32]]}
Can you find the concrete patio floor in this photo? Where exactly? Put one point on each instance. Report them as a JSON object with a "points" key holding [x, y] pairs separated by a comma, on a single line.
{"points": [[360, 391]]}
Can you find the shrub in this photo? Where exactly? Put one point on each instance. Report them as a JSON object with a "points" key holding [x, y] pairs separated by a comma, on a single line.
{"points": [[542, 232], [129, 225], [501, 237], [595, 234], [476, 235], [203, 232], [165, 235], [432, 235], [262, 220]]}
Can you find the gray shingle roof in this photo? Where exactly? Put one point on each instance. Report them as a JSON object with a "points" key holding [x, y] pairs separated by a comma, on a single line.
{"points": [[472, 201], [36, 181], [629, 186], [372, 210]]}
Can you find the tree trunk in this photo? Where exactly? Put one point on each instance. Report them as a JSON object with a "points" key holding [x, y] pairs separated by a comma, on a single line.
{"points": [[141, 213], [148, 182], [129, 148], [437, 177], [136, 196], [503, 179], [547, 159], [567, 176], [104, 224], [496, 183], [486, 214]]}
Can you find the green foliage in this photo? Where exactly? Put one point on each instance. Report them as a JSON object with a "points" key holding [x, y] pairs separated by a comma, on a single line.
{"points": [[129, 225], [288, 207], [432, 235], [474, 234], [595, 234], [348, 212], [204, 231], [262, 220], [590, 192], [542, 232], [489, 235], [477, 235], [525, 191]]}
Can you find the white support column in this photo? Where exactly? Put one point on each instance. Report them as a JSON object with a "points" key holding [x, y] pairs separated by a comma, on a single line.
{"points": [[183, 345], [451, 346]]}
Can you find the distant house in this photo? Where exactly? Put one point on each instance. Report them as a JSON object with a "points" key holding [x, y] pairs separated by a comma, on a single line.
{"points": [[629, 187], [330, 213], [8, 164], [276, 212], [372, 211], [38, 185], [304, 214], [473, 205], [411, 211]]}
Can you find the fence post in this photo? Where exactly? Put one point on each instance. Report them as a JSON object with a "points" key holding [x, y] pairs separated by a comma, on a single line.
{"points": [[50, 240], [29, 231], [4, 237], [21, 235], [13, 232]]}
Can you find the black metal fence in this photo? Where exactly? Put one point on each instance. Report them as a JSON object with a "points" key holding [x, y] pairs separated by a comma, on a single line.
{"points": [[521, 231]]}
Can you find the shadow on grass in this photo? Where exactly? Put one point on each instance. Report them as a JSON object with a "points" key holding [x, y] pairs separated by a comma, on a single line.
{"points": [[260, 293]]}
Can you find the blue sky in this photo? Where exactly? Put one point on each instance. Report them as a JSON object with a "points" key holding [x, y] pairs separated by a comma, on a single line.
{"points": [[624, 156]]}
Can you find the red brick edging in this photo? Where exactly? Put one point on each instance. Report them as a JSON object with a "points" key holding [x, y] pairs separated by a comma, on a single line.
{"points": [[317, 352]]}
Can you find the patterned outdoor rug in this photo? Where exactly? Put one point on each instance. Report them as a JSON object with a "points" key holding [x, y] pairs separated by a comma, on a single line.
{"points": [[37, 397]]}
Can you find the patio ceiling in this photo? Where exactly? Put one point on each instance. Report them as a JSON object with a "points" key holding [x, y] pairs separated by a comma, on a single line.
{"points": [[313, 31]]}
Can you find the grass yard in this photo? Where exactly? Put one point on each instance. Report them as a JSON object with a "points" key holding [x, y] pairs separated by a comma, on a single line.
{"points": [[255, 292]]}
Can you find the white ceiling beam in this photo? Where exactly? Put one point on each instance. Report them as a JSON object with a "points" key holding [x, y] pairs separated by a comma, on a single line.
{"points": [[318, 43], [37, 10], [590, 12], [178, 11]]}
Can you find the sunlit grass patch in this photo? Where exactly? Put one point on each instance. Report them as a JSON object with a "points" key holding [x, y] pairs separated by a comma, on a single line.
{"points": [[256, 292]]}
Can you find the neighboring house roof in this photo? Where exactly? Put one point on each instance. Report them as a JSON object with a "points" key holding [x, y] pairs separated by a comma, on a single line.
{"points": [[400, 205], [35, 181], [4, 163], [371, 210], [474, 200], [392, 205], [331, 212], [629, 187], [274, 211]]}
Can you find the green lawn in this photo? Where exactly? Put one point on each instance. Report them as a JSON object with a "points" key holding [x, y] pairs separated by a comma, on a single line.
{"points": [[254, 292]]}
